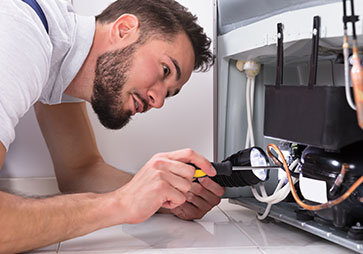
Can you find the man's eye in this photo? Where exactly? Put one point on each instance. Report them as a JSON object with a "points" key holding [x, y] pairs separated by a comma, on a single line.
{"points": [[166, 70]]}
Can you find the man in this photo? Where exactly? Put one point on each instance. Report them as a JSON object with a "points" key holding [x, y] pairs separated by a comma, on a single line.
{"points": [[135, 54]]}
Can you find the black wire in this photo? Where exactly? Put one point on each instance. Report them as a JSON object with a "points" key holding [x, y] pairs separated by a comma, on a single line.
{"points": [[294, 174], [345, 14], [353, 22]]}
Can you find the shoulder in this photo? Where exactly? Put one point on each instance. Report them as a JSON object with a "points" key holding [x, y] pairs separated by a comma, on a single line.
{"points": [[23, 34], [25, 49], [25, 57]]}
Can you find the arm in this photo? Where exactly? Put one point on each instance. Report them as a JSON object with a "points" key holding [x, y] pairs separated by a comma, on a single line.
{"points": [[77, 162], [163, 182], [79, 166], [29, 223]]}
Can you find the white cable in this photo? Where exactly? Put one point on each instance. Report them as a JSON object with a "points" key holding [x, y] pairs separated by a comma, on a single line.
{"points": [[279, 194], [262, 189], [252, 69], [348, 94], [250, 91], [257, 196], [265, 213], [268, 207], [276, 194], [248, 109]]}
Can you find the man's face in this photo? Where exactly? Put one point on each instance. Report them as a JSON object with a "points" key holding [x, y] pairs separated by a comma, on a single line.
{"points": [[137, 78]]}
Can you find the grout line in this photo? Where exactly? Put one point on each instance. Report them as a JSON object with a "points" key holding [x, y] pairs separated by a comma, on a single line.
{"points": [[238, 227], [261, 250], [167, 250]]}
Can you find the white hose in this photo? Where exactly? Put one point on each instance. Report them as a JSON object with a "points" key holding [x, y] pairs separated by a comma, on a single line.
{"points": [[248, 109], [279, 194], [252, 95], [250, 92], [348, 94], [252, 69]]}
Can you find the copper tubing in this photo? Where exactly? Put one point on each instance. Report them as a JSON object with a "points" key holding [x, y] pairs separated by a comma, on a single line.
{"points": [[357, 80], [293, 190]]}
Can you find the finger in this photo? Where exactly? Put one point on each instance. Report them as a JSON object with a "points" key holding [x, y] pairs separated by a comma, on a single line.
{"points": [[177, 182], [198, 202], [212, 186], [188, 211], [179, 212], [161, 162], [198, 190], [173, 198], [190, 156], [181, 169]]}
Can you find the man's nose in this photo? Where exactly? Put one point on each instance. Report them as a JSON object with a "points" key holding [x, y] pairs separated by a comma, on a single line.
{"points": [[156, 98]]}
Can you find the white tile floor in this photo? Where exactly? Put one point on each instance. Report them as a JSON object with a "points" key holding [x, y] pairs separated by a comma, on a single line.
{"points": [[226, 229]]}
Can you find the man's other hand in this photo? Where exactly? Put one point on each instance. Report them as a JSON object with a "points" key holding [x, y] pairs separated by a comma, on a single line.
{"points": [[201, 198]]}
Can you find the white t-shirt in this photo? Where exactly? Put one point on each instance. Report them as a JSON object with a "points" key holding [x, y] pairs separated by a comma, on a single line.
{"points": [[36, 66]]}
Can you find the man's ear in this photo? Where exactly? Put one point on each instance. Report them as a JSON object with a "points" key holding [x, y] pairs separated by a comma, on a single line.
{"points": [[125, 28]]}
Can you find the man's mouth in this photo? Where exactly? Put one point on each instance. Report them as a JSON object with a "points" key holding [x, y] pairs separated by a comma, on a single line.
{"points": [[136, 106], [139, 103]]}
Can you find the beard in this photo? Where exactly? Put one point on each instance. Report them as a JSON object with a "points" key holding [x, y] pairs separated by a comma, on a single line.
{"points": [[110, 77]]}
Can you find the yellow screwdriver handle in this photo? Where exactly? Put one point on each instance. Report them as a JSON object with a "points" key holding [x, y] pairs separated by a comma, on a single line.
{"points": [[199, 173]]}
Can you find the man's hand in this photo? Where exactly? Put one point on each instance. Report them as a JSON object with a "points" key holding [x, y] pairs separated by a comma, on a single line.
{"points": [[165, 181], [201, 198]]}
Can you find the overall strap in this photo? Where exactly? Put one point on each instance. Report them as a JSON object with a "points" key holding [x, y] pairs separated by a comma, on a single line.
{"points": [[35, 6]]}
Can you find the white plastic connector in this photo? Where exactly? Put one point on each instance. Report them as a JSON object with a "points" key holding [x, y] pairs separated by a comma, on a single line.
{"points": [[252, 68]]}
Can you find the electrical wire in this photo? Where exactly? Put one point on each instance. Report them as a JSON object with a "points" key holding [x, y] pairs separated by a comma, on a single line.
{"points": [[353, 21], [250, 140], [293, 190], [251, 69], [249, 136], [276, 194], [280, 193]]}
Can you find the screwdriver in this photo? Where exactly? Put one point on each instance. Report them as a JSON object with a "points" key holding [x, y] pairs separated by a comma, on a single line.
{"points": [[225, 168]]}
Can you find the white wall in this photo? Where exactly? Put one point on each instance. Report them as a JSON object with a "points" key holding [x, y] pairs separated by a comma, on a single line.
{"points": [[185, 120]]}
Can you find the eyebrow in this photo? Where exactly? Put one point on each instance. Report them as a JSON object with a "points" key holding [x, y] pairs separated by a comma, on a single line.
{"points": [[177, 67]]}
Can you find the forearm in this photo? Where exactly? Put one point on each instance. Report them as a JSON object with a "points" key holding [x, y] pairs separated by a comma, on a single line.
{"points": [[32, 223], [98, 177]]}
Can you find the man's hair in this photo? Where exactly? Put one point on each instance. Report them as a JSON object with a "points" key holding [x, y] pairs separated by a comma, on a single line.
{"points": [[165, 18]]}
